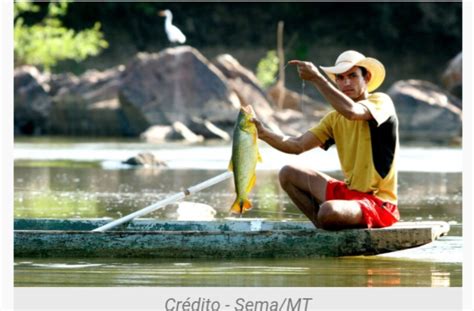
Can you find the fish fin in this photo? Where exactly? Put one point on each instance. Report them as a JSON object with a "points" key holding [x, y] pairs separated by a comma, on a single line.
{"points": [[246, 205], [240, 206], [231, 166], [235, 209], [251, 183]]}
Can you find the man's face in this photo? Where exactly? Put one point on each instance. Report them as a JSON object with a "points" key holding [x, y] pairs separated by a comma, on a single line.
{"points": [[352, 83]]}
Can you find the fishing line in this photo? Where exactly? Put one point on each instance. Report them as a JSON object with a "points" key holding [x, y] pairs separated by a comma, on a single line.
{"points": [[278, 75], [314, 203], [302, 94], [301, 103]]}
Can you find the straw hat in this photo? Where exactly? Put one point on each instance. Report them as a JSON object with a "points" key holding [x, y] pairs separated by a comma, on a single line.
{"points": [[349, 59]]}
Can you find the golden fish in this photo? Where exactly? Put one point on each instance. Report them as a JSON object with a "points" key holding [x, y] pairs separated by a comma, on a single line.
{"points": [[244, 159]]}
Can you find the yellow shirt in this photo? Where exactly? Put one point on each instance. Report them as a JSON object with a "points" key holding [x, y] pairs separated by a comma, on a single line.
{"points": [[367, 149]]}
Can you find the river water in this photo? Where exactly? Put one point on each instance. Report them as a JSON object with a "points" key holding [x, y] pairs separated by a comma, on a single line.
{"points": [[55, 178]]}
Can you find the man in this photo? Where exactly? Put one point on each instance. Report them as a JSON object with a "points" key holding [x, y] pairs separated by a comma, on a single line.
{"points": [[364, 128]]}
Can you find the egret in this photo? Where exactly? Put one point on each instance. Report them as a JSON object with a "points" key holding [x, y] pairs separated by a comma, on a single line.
{"points": [[173, 32]]}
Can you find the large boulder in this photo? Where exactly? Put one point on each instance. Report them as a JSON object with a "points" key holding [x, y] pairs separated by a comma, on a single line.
{"points": [[244, 83], [89, 104], [296, 101], [178, 90], [177, 85], [207, 129], [293, 122], [426, 112], [61, 82], [300, 112], [177, 131], [32, 104], [158, 134], [93, 85], [452, 76]]}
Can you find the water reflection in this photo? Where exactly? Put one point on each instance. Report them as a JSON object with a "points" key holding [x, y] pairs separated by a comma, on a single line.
{"points": [[384, 276], [309, 272], [92, 192]]}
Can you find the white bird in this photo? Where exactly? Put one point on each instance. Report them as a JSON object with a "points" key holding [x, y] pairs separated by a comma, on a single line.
{"points": [[173, 32]]}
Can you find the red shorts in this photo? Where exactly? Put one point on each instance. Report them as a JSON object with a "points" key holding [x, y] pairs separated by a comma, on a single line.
{"points": [[377, 213]]}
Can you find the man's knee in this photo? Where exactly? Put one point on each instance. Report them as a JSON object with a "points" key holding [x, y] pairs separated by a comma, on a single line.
{"points": [[285, 175], [333, 216], [328, 216], [327, 212]]}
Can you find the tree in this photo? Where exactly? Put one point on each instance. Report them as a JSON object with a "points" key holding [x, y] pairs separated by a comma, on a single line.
{"points": [[46, 43]]}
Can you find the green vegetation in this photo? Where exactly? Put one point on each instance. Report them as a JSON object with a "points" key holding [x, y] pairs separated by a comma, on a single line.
{"points": [[409, 37], [48, 41], [267, 68]]}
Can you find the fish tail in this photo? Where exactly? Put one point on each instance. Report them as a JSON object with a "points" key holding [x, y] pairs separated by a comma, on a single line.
{"points": [[240, 206]]}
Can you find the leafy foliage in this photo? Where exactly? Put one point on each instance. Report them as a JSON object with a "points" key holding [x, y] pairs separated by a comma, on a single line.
{"points": [[48, 42], [400, 33], [267, 68]]}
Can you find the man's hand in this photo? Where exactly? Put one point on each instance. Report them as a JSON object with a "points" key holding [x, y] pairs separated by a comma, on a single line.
{"points": [[260, 128], [306, 70]]}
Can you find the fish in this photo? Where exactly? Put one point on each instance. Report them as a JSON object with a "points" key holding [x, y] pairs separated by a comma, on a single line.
{"points": [[245, 155]]}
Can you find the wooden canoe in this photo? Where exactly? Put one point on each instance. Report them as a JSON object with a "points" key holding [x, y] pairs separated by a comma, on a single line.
{"points": [[220, 239]]}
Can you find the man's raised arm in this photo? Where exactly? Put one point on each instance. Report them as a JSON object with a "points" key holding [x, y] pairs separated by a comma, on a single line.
{"points": [[341, 102]]}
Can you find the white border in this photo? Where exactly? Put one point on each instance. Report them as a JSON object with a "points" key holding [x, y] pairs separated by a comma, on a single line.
{"points": [[468, 215], [322, 298], [6, 156], [152, 298]]}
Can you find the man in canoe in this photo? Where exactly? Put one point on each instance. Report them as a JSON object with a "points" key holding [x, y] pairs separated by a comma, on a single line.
{"points": [[364, 128]]}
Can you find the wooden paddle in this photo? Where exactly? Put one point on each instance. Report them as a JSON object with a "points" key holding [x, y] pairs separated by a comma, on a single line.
{"points": [[163, 203]]}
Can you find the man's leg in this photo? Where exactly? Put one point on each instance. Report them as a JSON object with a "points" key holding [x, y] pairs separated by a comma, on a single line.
{"points": [[306, 188], [340, 214]]}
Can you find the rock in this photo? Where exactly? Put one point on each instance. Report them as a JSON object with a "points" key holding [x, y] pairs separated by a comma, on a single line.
{"points": [[32, 104], [177, 89], [298, 102], [299, 113], [452, 76], [244, 83], [158, 134], [186, 133], [57, 82], [145, 159], [176, 131], [93, 86], [294, 122], [233, 70], [207, 129], [174, 86], [426, 112], [89, 105]]}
